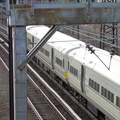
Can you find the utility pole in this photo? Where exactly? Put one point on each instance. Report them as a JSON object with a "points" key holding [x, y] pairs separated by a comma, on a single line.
{"points": [[109, 34]]}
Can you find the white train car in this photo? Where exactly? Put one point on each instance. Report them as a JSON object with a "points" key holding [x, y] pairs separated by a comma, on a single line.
{"points": [[70, 62], [100, 86], [52, 54]]}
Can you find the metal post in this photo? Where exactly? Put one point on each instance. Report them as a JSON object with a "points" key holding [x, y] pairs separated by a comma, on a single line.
{"points": [[42, 42], [20, 76], [11, 94], [12, 1], [36, 48]]}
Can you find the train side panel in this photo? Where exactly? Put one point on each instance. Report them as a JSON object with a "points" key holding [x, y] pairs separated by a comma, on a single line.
{"points": [[105, 102], [83, 71], [59, 64], [74, 74], [44, 54]]}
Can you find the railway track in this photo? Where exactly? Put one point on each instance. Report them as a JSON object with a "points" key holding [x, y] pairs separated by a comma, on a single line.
{"points": [[61, 105], [78, 109], [4, 106], [37, 105], [45, 108], [4, 53], [4, 61], [38, 108], [72, 110], [31, 112]]}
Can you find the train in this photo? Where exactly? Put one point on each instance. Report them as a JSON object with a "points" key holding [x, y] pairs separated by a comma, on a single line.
{"points": [[91, 74]]}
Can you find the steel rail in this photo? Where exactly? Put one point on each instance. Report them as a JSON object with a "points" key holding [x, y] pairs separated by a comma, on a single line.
{"points": [[63, 103], [3, 35], [34, 109], [4, 49], [49, 101], [4, 64], [29, 102], [72, 98]]}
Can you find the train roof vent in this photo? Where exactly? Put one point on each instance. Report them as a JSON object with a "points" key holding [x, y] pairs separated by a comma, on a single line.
{"points": [[90, 62], [74, 53]]}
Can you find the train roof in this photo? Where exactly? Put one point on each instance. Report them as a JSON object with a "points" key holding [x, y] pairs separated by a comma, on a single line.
{"points": [[64, 43], [40, 30], [59, 40], [91, 60]]}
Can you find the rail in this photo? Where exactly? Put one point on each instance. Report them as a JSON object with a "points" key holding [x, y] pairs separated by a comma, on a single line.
{"points": [[46, 98], [29, 102], [34, 109], [56, 95], [32, 106]]}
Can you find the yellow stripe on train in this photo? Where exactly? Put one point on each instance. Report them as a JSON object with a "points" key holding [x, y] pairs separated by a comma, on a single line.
{"points": [[66, 74]]}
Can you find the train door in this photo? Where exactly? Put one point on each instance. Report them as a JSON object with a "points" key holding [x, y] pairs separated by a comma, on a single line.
{"points": [[52, 58], [32, 41], [82, 79]]}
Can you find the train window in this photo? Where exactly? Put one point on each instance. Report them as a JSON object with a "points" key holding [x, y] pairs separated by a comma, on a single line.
{"points": [[71, 69], [90, 83], [39, 62], [35, 59], [46, 53], [118, 101], [32, 41], [42, 50], [74, 71], [94, 85], [58, 61], [63, 63], [68, 65], [97, 87], [29, 41], [106, 93], [112, 97]]}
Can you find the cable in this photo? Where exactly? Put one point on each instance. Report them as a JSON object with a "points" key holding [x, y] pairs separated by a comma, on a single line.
{"points": [[93, 38], [76, 30]]}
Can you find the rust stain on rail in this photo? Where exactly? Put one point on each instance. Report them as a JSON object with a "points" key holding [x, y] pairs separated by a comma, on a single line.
{"points": [[20, 6]]}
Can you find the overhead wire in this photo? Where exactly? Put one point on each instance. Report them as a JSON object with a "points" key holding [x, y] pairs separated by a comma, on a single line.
{"points": [[92, 38], [109, 38]]}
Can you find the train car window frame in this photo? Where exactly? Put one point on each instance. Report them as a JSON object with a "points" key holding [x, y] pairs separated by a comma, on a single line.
{"points": [[58, 61], [94, 85], [68, 65], [74, 71], [118, 101], [107, 94], [29, 41], [63, 63], [98, 88], [33, 44], [42, 50], [47, 53], [39, 62]]}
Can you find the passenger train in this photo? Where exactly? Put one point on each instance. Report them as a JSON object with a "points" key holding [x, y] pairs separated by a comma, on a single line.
{"points": [[92, 74]]}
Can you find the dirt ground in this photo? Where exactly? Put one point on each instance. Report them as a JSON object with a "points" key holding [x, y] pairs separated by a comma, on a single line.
{"points": [[4, 93]]}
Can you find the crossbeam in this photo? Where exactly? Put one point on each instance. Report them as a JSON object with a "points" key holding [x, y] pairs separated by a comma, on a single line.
{"points": [[60, 14], [39, 45]]}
